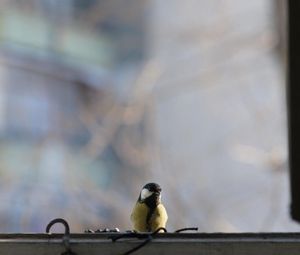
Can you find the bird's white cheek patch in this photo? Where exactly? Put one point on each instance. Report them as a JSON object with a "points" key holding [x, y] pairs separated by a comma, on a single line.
{"points": [[145, 193]]}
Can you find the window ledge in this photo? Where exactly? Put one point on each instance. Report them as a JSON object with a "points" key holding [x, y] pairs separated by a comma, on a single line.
{"points": [[165, 243]]}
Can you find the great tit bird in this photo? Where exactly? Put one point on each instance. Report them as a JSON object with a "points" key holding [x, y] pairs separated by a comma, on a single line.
{"points": [[149, 214]]}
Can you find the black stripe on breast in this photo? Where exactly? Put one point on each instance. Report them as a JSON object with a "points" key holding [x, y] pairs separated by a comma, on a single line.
{"points": [[149, 215]]}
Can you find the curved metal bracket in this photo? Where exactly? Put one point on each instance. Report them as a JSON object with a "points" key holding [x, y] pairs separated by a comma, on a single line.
{"points": [[66, 236]]}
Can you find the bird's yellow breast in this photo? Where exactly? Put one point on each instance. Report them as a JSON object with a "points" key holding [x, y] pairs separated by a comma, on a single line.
{"points": [[139, 218]]}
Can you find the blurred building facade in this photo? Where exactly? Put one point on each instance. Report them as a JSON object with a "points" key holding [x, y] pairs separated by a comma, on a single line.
{"points": [[66, 138]]}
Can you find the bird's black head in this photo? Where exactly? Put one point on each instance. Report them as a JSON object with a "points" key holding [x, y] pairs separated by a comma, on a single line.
{"points": [[152, 187], [150, 194]]}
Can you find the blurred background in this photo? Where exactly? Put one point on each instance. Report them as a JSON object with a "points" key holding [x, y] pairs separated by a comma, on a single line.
{"points": [[99, 97]]}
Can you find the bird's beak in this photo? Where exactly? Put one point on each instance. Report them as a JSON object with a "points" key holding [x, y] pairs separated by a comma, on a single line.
{"points": [[158, 196]]}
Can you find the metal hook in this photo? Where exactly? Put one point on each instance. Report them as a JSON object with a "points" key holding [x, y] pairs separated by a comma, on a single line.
{"points": [[66, 237], [58, 220]]}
